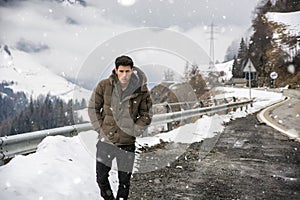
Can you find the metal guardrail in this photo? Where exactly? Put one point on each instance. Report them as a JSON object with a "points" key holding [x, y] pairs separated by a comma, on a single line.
{"points": [[181, 115], [28, 142], [194, 103]]}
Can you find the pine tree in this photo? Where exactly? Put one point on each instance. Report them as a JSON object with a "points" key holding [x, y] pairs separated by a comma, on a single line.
{"points": [[69, 113], [241, 59], [286, 6], [242, 53], [260, 41], [235, 67], [83, 104], [39, 114]]}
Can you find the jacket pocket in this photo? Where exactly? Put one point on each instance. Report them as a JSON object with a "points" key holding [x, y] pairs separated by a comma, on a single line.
{"points": [[114, 137], [126, 139]]}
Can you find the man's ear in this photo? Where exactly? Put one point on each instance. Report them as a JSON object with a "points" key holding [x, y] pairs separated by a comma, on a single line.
{"points": [[116, 70]]}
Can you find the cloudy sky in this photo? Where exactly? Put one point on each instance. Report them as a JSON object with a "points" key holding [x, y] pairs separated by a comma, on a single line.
{"points": [[63, 36]]}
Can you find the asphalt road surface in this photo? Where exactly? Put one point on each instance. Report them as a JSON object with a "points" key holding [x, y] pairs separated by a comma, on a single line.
{"points": [[249, 161], [288, 114]]}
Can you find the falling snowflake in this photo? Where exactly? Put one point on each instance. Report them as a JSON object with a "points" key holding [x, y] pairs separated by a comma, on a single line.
{"points": [[126, 2], [77, 180], [291, 69]]}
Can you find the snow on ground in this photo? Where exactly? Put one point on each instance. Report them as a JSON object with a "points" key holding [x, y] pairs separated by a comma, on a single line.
{"points": [[261, 97], [60, 169], [64, 168]]}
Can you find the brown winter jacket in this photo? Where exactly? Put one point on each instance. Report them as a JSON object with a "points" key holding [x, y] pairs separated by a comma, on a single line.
{"points": [[119, 116]]}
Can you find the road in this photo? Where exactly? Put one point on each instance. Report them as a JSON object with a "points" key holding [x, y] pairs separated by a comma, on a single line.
{"points": [[288, 114], [284, 116], [249, 161]]}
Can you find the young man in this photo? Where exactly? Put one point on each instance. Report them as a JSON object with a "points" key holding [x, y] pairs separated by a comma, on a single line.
{"points": [[119, 110]]}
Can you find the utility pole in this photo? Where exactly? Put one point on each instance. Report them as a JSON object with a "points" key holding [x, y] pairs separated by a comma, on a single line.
{"points": [[211, 48]]}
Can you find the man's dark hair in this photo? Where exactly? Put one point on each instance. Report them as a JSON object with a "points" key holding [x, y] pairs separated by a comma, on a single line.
{"points": [[123, 60]]}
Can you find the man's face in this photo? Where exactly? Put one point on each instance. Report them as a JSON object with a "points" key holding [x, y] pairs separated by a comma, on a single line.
{"points": [[124, 73]]}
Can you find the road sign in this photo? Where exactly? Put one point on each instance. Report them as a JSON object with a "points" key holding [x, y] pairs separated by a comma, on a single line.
{"points": [[249, 67], [273, 75]]}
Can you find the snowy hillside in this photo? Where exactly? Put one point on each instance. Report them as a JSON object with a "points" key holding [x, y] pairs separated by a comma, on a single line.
{"points": [[290, 20], [226, 68], [291, 28], [223, 72], [5, 56], [33, 78]]}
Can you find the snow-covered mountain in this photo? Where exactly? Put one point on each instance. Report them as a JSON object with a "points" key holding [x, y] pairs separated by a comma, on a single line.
{"points": [[25, 74], [5, 56]]}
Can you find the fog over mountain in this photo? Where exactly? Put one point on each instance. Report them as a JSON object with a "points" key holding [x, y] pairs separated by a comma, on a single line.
{"points": [[61, 34]]}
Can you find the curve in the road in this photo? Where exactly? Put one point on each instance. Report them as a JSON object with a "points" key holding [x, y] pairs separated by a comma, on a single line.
{"points": [[264, 116]]}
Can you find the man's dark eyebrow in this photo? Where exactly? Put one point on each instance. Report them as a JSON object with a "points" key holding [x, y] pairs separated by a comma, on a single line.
{"points": [[125, 71]]}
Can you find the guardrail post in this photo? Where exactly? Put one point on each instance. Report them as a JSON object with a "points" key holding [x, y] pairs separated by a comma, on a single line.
{"points": [[187, 107], [215, 102], [225, 101], [1, 153], [201, 104], [234, 100], [169, 124]]}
